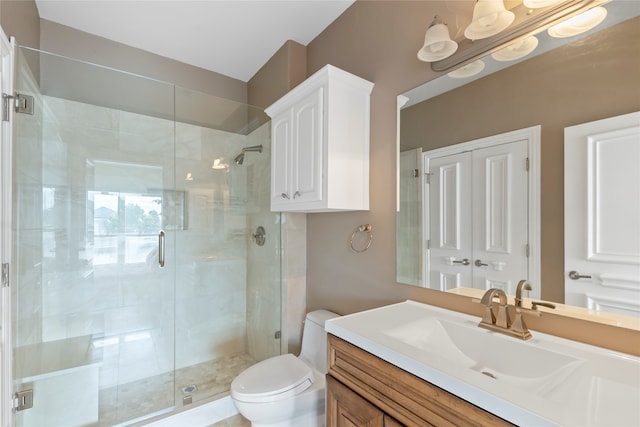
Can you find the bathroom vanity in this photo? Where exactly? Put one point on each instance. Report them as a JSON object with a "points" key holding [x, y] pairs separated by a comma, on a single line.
{"points": [[412, 364], [363, 387]]}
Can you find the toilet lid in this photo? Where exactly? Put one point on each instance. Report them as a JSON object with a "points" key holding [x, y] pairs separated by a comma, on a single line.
{"points": [[276, 378]]}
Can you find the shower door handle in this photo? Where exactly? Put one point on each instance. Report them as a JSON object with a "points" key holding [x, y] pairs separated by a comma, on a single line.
{"points": [[161, 237]]}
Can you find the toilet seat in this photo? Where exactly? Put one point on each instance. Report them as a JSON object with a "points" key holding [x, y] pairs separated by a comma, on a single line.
{"points": [[273, 379]]}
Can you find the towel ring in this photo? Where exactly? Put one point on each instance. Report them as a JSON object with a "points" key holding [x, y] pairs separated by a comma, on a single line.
{"points": [[361, 229]]}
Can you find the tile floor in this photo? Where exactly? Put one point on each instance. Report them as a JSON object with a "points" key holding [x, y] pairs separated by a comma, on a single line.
{"points": [[132, 400]]}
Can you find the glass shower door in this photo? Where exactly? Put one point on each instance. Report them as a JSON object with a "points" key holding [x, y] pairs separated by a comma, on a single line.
{"points": [[96, 215]]}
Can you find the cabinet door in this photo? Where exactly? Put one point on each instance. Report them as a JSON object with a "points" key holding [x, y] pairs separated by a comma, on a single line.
{"points": [[281, 146], [346, 409], [390, 422], [307, 149]]}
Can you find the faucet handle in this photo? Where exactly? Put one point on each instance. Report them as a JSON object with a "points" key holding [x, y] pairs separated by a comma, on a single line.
{"points": [[535, 304]]}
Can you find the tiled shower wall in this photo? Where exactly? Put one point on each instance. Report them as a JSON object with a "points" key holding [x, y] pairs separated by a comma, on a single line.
{"points": [[227, 288]]}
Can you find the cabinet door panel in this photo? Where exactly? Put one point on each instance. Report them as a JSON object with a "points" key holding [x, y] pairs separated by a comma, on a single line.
{"points": [[346, 409], [307, 150], [281, 157]]}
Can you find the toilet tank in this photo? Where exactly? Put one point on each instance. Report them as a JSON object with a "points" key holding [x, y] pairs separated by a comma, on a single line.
{"points": [[314, 339]]}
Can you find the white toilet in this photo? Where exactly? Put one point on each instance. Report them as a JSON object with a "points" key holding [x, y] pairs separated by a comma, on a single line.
{"points": [[285, 390]]}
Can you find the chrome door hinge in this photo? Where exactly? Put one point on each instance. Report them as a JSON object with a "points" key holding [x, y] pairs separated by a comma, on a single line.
{"points": [[6, 105], [22, 400], [19, 102], [5, 275], [416, 173], [527, 250], [24, 103]]}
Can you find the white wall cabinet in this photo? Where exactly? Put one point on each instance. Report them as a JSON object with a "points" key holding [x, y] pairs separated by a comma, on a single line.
{"points": [[320, 144]]}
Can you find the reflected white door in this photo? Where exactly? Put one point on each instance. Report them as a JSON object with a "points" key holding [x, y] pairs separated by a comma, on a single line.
{"points": [[500, 216], [449, 260], [478, 218], [602, 214]]}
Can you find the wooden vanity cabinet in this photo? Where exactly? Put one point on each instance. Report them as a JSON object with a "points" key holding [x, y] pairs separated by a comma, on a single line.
{"points": [[364, 390]]}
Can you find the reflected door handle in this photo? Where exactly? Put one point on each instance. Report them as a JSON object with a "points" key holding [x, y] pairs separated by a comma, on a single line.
{"points": [[463, 262], [577, 276], [479, 263], [161, 237]]}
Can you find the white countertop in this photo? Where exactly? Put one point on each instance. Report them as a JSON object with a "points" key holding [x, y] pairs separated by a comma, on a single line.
{"points": [[600, 388]]}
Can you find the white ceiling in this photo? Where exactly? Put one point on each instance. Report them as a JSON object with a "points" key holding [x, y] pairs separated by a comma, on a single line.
{"points": [[231, 37]]}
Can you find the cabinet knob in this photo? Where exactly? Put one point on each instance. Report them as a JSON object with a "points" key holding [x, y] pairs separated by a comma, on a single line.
{"points": [[285, 196], [296, 194]]}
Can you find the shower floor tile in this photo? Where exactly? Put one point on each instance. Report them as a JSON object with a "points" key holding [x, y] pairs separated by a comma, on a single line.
{"points": [[235, 421], [132, 400]]}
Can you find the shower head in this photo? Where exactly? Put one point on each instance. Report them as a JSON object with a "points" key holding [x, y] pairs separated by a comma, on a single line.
{"points": [[239, 159]]}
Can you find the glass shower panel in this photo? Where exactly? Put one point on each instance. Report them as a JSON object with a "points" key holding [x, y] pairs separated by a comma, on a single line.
{"points": [[228, 288], [94, 185]]}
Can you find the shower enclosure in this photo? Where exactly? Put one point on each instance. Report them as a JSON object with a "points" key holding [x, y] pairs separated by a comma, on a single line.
{"points": [[137, 284]]}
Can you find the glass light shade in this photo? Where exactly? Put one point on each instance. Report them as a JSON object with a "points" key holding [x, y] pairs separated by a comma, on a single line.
{"points": [[468, 70], [579, 24], [489, 18], [437, 43], [218, 164], [538, 4], [516, 50]]}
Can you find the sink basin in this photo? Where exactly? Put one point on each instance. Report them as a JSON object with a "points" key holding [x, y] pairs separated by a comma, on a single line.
{"points": [[500, 358], [544, 381]]}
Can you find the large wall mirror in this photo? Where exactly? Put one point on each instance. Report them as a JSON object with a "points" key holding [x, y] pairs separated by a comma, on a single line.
{"points": [[583, 79]]}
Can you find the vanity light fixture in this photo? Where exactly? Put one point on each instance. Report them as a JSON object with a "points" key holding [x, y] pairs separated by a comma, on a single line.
{"points": [[527, 22], [579, 24], [489, 18], [437, 42], [217, 164], [538, 4], [516, 50], [468, 70]]}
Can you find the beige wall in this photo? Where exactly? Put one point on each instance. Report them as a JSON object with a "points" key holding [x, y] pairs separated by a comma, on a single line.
{"points": [[87, 47], [20, 19], [378, 40], [285, 70], [567, 86]]}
